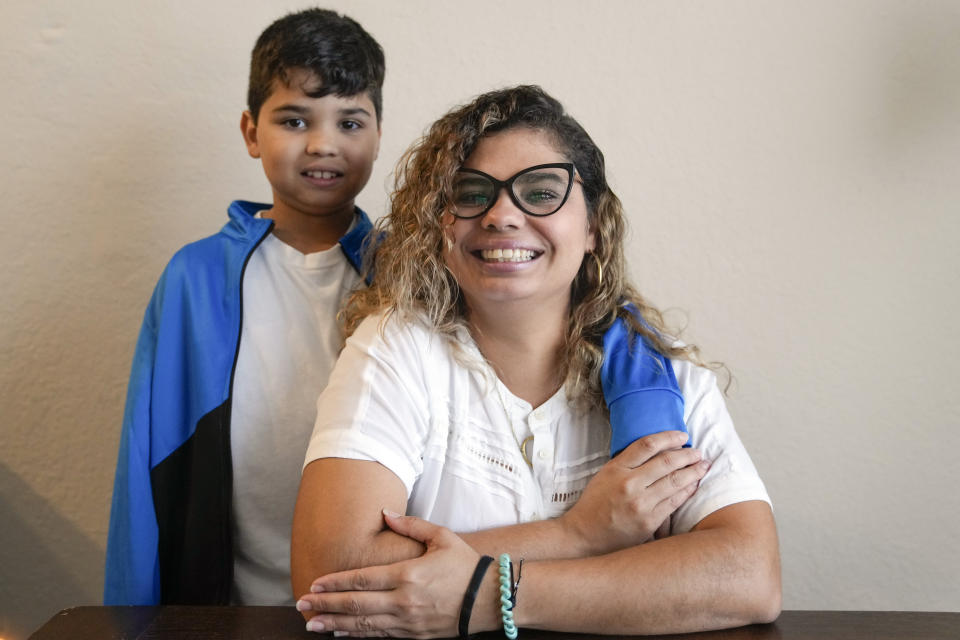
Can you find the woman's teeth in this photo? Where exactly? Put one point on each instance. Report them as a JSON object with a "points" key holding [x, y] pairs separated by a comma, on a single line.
{"points": [[324, 175], [507, 255]]}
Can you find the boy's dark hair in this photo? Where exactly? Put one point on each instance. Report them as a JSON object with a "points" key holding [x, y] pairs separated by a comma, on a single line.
{"points": [[335, 48]]}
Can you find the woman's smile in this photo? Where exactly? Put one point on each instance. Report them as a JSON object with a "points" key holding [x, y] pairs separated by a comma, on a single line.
{"points": [[506, 255]]}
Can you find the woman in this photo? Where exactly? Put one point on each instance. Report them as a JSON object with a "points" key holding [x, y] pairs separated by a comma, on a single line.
{"points": [[469, 396]]}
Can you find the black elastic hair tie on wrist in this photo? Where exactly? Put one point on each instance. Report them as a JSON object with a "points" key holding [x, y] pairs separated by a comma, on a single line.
{"points": [[471, 595]]}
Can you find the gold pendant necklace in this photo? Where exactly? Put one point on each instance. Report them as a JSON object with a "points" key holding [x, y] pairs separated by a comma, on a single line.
{"points": [[523, 448]]}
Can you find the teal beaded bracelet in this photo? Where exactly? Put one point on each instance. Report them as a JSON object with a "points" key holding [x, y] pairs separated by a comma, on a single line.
{"points": [[507, 597]]}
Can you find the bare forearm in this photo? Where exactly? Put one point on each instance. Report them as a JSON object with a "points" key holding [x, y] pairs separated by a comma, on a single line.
{"points": [[541, 540], [552, 539], [711, 578], [383, 547]]}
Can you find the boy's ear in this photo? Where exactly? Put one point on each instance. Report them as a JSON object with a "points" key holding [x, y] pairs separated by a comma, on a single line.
{"points": [[248, 127]]}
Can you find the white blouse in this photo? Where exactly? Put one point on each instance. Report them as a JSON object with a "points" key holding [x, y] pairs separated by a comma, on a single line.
{"points": [[432, 411]]}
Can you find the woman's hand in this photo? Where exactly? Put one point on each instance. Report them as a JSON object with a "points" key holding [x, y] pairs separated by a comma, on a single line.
{"points": [[633, 494], [418, 598]]}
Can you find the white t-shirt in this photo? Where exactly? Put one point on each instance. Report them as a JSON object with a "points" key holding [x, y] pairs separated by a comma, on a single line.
{"points": [[451, 433], [286, 354]]}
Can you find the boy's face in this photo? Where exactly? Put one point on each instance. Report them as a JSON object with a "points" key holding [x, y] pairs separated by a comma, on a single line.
{"points": [[317, 152]]}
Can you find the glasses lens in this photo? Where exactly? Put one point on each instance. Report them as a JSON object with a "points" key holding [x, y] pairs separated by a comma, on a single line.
{"points": [[472, 194], [542, 191]]}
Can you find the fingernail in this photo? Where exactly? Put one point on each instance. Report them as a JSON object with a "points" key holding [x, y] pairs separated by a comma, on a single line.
{"points": [[340, 634], [392, 514], [316, 588], [314, 625], [304, 605], [705, 465]]}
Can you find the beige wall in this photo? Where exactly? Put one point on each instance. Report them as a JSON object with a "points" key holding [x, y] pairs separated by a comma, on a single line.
{"points": [[789, 168]]}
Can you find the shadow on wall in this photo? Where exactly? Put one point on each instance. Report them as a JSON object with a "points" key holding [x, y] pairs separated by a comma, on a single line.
{"points": [[46, 562]]}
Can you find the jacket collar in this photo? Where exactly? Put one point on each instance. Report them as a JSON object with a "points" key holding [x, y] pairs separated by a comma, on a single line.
{"points": [[245, 224]]}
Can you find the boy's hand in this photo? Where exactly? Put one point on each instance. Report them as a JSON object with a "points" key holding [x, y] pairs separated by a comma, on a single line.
{"points": [[635, 493]]}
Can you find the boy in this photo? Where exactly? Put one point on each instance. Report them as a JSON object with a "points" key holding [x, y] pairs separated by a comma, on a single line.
{"points": [[240, 336]]}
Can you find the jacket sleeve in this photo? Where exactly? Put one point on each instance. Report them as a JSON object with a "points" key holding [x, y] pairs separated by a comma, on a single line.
{"points": [[132, 569], [640, 388]]}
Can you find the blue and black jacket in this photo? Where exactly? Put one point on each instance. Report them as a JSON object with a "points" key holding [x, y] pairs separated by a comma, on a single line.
{"points": [[170, 523]]}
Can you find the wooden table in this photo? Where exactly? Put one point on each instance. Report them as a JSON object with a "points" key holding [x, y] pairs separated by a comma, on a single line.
{"points": [[274, 623]]}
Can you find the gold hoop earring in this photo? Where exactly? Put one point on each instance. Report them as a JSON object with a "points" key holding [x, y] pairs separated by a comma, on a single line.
{"points": [[599, 269]]}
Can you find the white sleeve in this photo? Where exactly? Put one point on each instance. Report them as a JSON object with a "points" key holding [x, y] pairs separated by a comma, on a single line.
{"points": [[376, 406], [732, 478]]}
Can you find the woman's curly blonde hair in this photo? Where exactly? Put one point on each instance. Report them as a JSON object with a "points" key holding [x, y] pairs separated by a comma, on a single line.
{"points": [[411, 278]]}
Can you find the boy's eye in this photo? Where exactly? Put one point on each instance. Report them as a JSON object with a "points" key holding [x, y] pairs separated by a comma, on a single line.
{"points": [[351, 125], [295, 123]]}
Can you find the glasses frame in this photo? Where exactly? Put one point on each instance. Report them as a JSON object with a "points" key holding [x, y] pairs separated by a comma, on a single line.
{"points": [[507, 184]]}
